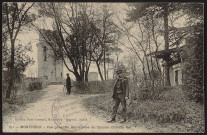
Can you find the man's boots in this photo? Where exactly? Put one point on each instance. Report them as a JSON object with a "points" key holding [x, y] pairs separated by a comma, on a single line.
{"points": [[124, 120], [111, 121]]}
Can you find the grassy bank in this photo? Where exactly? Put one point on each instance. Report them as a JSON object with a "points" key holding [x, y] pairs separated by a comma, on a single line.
{"points": [[170, 112], [21, 101]]}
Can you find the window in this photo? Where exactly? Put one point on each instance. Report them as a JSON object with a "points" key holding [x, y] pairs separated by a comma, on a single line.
{"points": [[61, 74], [45, 53], [176, 77]]}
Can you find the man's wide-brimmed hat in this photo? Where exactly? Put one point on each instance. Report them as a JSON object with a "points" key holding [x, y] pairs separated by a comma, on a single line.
{"points": [[122, 70]]}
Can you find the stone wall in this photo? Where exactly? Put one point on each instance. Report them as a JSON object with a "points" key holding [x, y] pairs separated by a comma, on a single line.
{"points": [[27, 81]]}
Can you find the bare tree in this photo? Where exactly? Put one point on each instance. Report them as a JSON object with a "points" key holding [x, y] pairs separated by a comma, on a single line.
{"points": [[81, 35], [15, 16], [107, 35]]}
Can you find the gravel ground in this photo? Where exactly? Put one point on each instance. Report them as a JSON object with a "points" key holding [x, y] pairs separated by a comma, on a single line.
{"points": [[57, 112], [33, 113]]}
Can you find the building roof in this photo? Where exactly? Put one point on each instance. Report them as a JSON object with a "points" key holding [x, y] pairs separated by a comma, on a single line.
{"points": [[165, 53], [172, 54], [184, 33]]}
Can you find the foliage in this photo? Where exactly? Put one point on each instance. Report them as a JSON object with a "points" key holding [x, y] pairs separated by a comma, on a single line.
{"points": [[193, 65], [147, 93], [81, 87], [149, 16], [22, 60], [21, 101], [35, 86], [195, 12], [82, 34], [70, 37], [15, 16], [93, 86], [171, 111]]}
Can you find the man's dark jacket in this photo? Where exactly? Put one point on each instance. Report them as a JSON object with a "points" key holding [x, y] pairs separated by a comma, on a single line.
{"points": [[68, 82], [124, 89]]}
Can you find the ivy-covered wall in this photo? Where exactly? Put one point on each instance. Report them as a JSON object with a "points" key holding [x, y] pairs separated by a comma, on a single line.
{"points": [[193, 56]]}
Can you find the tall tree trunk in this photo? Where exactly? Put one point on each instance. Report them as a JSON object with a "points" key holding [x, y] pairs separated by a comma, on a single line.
{"points": [[87, 70], [148, 67], [78, 77], [152, 65], [145, 76], [156, 44], [75, 68], [158, 65], [104, 63], [86, 76], [55, 70], [99, 70], [80, 69], [166, 37], [12, 77], [83, 68], [107, 73], [87, 66], [143, 70]]}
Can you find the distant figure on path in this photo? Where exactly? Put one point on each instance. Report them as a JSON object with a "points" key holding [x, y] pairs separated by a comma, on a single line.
{"points": [[68, 84], [120, 95]]}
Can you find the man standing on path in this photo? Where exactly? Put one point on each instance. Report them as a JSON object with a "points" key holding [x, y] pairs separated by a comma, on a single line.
{"points": [[68, 84], [120, 95]]}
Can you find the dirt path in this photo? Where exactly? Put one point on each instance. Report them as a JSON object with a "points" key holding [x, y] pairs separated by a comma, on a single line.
{"points": [[57, 112]]}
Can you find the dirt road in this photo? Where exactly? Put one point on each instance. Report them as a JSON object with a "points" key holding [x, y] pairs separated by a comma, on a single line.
{"points": [[57, 112]]}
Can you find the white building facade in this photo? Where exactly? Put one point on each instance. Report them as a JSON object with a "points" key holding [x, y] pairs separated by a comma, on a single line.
{"points": [[48, 67], [55, 70], [175, 74]]}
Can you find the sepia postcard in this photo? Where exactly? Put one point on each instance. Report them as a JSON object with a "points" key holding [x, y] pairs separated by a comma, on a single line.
{"points": [[102, 67]]}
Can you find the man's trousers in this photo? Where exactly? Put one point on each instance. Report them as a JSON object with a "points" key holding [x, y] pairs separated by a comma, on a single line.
{"points": [[68, 89], [120, 99]]}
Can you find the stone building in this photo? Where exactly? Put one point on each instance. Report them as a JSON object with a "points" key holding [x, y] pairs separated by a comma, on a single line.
{"points": [[175, 64], [54, 70], [48, 66], [176, 61], [175, 74], [92, 76]]}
